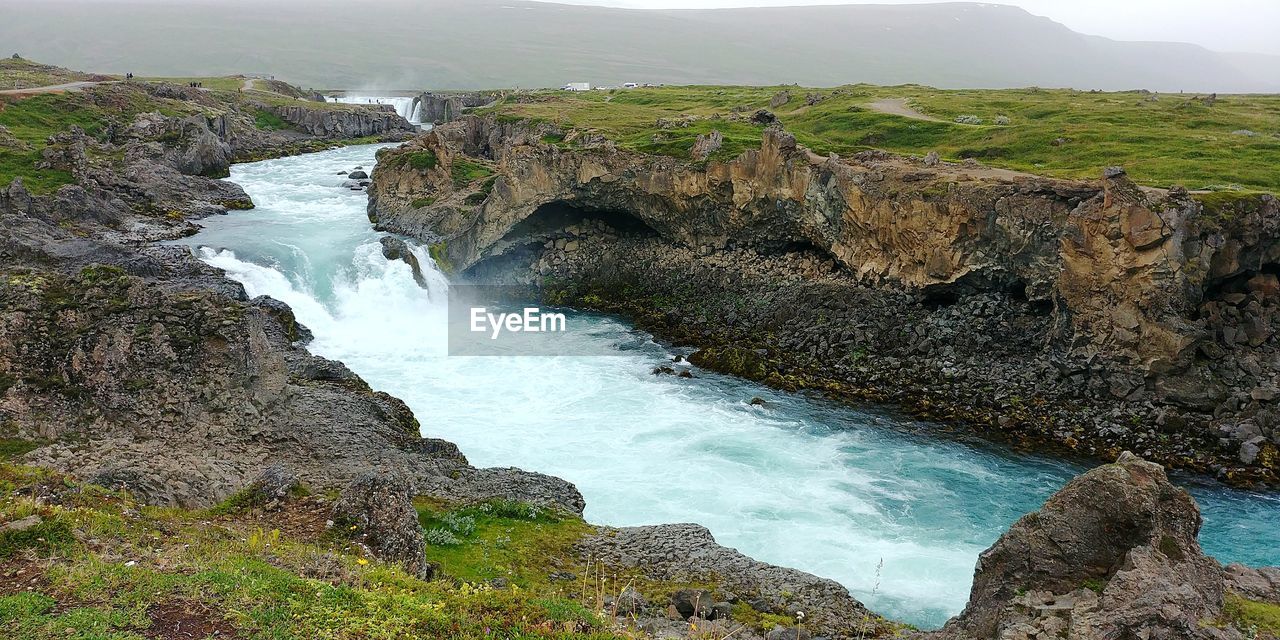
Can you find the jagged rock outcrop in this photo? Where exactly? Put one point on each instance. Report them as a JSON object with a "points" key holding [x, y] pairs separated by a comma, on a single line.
{"points": [[1129, 301], [396, 249], [689, 553], [125, 362], [1112, 555], [439, 108], [337, 122], [377, 511]]}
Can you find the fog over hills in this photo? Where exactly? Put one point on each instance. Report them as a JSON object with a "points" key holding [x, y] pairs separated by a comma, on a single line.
{"points": [[501, 43]]}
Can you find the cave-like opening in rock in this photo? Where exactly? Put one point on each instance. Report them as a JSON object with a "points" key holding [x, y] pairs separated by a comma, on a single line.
{"points": [[557, 217], [1018, 292], [1243, 283]]}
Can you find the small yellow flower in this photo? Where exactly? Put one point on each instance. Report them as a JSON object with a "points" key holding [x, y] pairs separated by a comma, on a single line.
{"points": [[362, 561]]}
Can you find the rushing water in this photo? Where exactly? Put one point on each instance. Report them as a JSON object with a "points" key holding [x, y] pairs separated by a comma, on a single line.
{"points": [[801, 482], [404, 106]]}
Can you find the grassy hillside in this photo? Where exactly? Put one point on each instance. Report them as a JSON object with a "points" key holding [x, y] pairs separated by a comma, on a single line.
{"points": [[98, 566], [18, 73], [1232, 142], [28, 120]]}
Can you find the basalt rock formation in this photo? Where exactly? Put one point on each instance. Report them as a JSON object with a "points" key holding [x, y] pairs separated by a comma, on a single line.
{"points": [[372, 120], [1112, 555], [439, 108], [1091, 315], [140, 367]]}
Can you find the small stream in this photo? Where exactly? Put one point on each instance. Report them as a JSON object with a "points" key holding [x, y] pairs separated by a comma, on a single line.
{"points": [[800, 482]]}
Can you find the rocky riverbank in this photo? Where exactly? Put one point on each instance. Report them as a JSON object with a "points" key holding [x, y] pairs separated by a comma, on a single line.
{"points": [[1088, 316], [138, 368]]}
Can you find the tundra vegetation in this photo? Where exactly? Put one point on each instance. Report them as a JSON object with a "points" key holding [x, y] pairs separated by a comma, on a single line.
{"points": [[1200, 141], [93, 563]]}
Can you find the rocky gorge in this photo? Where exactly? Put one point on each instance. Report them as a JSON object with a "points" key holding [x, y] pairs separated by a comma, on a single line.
{"points": [[1091, 317], [137, 367]]}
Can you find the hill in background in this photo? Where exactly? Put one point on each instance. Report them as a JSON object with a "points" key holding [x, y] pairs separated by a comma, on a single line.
{"points": [[398, 44]]}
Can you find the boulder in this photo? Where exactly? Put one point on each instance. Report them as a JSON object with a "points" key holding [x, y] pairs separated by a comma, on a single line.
{"points": [[1112, 555], [205, 154], [394, 248], [377, 512], [358, 175], [693, 603], [271, 487]]}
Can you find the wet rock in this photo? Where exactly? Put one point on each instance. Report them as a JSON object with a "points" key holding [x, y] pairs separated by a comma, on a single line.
{"points": [[358, 175], [688, 552], [377, 511], [394, 248]]}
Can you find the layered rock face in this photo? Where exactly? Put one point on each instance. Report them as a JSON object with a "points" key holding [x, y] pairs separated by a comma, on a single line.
{"points": [[1112, 555], [371, 120], [1069, 312], [439, 108], [140, 367]]}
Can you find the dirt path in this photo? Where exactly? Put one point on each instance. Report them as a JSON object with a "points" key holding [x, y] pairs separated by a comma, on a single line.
{"points": [[899, 107], [53, 88]]}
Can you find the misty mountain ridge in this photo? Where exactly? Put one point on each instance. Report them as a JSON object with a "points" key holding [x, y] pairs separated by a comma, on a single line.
{"points": [[502, 43]]}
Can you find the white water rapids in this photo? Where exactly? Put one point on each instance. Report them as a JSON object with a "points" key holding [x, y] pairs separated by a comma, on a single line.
{"points": [[801, 482], [406, 107]]}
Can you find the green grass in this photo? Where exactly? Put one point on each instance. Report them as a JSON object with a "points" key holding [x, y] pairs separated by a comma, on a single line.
{"points": [[25, 74], [1249, 615], [32, 120], [249, 576], [1175, 139], [464, 171], [269, 121], [500, 539], [420, 160], [216, 83], [11, 447]]}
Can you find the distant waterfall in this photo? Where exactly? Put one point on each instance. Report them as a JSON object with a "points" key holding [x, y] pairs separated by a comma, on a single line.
{"points": [[408, 108]]}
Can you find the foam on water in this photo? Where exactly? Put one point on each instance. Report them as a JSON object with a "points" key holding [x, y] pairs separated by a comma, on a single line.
{"points": [[404, 106], [802, 483]]}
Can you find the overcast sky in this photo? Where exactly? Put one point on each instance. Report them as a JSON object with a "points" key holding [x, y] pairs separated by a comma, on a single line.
{"points": [[1223, 25]]}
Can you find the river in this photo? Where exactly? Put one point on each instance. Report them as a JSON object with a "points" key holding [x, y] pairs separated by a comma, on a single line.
{"points": [[800, 482]]}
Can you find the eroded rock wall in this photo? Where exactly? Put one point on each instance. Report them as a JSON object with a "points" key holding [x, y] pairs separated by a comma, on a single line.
{"points": [[1133, 280]]}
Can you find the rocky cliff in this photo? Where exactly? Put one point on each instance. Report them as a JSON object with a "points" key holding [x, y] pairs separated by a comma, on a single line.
{"points": [[439, 108], [1091, 315], [139, 368]]}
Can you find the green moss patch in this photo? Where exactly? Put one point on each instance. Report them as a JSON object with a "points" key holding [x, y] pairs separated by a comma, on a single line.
{"points": [[268, 121], [465, 171], [1251, 616]]}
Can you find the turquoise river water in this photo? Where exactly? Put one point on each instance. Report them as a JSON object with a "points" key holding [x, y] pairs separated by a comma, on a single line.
{"points": [[826, 488]]}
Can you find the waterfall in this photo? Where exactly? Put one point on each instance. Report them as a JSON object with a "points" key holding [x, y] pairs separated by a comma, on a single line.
{"points": [[407, 107]]}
